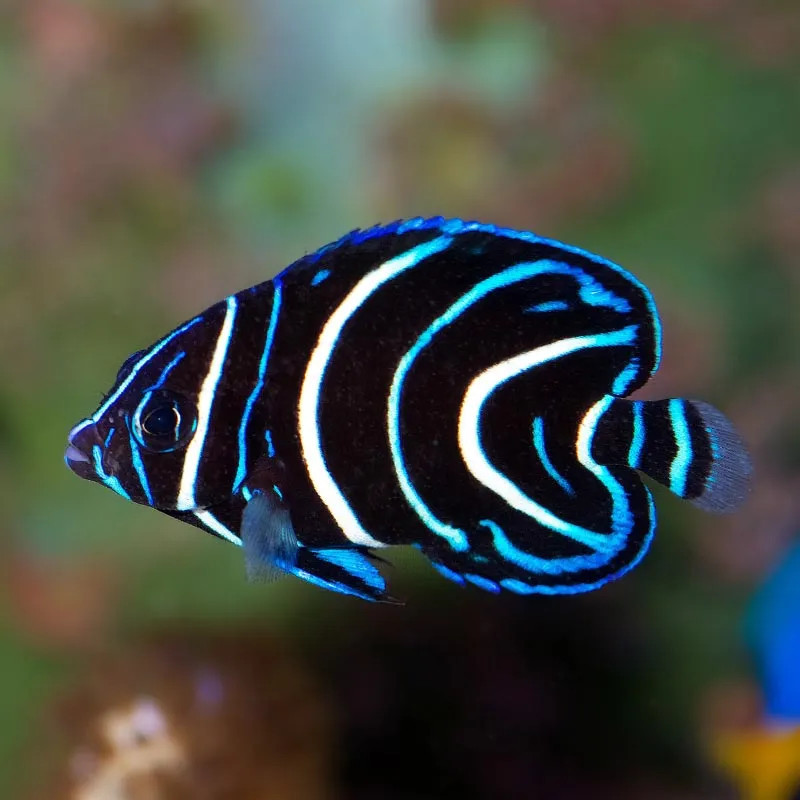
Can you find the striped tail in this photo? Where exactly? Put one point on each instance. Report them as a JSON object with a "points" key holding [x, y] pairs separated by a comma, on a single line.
{"points": [[687, 445]]}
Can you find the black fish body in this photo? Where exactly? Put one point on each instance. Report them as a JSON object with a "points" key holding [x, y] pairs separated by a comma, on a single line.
{"points": [[453, 386]]}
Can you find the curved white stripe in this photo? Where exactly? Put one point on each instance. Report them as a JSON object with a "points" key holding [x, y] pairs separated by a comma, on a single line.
{"points": [[191, 461], [210, 521], [620, 514], [469, 430], [308, 408]]}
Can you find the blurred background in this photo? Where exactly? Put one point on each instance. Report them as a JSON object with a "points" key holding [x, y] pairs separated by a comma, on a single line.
{"points": [[156, 155]]}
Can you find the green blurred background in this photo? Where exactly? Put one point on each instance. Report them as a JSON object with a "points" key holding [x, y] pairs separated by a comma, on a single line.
{"points": [[156, 156]]}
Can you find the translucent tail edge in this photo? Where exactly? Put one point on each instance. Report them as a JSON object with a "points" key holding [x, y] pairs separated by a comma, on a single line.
{"points": [[729, 477]]}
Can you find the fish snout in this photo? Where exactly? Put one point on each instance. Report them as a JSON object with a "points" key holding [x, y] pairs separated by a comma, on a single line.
{"points": [[82, 440]]}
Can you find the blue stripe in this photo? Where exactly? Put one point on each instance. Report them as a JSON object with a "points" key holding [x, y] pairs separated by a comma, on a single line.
{"points": [[136, 457], [520, 587], [679, 469], [637, 437], [482, 583], [456, 537], [241, 468], [109, 480], [166, 371], [145, 359], [538, 443], [623, 381], [335, 586], [448, 573], [552, 305], [320, 276], [593, 294], [270, 445], [546, 566]]}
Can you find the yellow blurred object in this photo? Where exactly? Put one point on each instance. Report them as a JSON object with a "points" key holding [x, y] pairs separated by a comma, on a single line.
{"points": [[763, 762]]}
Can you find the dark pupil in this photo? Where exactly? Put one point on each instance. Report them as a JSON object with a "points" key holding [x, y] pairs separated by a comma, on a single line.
{"points": [[162, 421]]}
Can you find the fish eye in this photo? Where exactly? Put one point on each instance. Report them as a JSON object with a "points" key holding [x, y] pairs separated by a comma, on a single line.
{"points": [[164, 421], [127, 366]]}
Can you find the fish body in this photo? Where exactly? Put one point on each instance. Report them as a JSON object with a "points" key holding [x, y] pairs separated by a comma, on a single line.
{"points": [[450, 385]]}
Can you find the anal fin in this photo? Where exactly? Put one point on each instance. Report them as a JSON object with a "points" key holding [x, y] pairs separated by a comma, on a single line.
{"points": [[345, 570]]}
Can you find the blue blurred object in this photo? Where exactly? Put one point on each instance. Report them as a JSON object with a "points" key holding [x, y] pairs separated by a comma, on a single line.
{"points": [[773, 628]]}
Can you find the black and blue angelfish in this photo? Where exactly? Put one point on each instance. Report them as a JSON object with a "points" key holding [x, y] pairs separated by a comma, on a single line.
{"points": [[450, 385]]}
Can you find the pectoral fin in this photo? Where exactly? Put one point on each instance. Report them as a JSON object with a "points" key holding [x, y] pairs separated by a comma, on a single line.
{"points": [[271, 549], [268, 538]]}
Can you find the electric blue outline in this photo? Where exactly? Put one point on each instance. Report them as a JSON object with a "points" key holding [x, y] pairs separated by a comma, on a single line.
{"points": [[457, 226], [241, 467], [520, 587], [538, 443]]}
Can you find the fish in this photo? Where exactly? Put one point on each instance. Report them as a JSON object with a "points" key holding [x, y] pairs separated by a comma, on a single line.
{"points": [[451, 385]]}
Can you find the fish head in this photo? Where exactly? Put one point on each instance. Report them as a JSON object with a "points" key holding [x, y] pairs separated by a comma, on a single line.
{"points": [[143, 441]]}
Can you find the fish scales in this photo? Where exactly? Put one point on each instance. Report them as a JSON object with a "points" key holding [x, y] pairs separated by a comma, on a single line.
{"points": [[449, 385]]}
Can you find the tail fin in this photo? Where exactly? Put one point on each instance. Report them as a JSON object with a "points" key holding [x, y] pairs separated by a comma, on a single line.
{"points": [[687, 445]]}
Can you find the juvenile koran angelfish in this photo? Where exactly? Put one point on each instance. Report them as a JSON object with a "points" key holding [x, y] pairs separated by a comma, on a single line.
{"points": [[449, 385]]}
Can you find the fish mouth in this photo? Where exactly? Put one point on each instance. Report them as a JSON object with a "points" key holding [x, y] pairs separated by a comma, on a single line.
{"points": [[75, 455], [80, 441]]}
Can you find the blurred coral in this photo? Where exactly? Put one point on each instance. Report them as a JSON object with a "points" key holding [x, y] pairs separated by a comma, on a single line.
{"points": [[202, 717]]}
